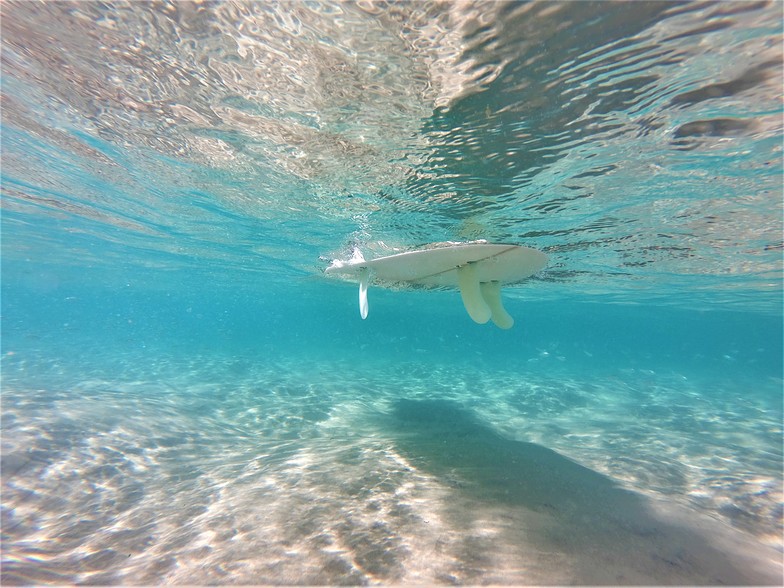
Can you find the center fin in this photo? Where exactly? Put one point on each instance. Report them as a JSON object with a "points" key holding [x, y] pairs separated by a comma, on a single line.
{"points": [[491, 292], [473, 301]]}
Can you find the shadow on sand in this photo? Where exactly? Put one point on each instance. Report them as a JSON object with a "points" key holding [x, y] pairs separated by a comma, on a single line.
{"points": [[608, 535]]}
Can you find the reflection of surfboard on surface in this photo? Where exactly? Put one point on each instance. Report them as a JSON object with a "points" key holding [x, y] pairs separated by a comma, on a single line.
{"points": [[478, 269]]}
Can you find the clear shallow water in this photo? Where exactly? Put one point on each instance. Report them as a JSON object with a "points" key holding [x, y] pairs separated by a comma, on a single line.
{"points": [[186, 398]]}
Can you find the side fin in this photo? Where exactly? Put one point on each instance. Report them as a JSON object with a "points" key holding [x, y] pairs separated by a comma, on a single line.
{"points": [[364, 279], [472, 295], [356, 256], [491, 292]]}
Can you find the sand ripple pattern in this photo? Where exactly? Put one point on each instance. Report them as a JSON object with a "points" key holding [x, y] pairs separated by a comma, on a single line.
{"points": [[231, 471]]}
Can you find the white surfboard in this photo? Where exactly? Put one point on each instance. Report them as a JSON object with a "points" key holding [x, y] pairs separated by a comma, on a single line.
{"points": [[477, 269]]}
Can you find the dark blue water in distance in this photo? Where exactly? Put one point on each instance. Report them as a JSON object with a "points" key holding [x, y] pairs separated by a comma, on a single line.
{"points": [[188, 398]]}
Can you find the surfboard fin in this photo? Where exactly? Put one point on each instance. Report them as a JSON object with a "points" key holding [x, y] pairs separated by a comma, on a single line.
{"points": [[491, 292], [471, 293], [364, 279]]}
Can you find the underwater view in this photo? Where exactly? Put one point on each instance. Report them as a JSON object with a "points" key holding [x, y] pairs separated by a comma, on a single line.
{"points": [[209, 376]]}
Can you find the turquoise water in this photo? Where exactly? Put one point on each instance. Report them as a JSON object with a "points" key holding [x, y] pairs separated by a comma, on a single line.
{"points": [[188, 398]]}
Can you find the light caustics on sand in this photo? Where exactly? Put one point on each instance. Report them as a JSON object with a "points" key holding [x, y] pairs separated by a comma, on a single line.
{"points": [[477, 269]]}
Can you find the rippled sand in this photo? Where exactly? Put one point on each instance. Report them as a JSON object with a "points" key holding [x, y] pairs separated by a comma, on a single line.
{"points": [[251, 472]]}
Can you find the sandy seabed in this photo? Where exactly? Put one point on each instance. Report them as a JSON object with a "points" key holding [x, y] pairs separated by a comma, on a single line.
{"points": [[239, 471]]}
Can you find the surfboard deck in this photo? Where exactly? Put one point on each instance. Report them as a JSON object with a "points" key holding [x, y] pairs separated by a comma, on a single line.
{"points": [[477, 269]]}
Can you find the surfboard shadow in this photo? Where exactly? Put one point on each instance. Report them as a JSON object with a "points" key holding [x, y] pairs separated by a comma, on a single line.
{"points": [[591, 518], [451, 442]]}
